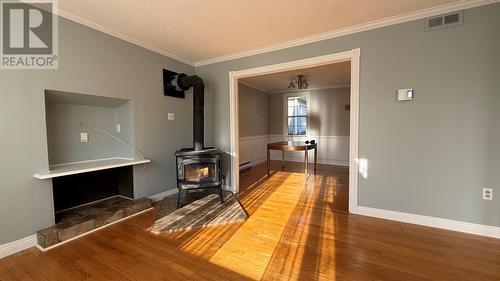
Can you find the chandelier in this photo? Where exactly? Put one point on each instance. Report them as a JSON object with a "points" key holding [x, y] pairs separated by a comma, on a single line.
{"points": [[301, 82]]}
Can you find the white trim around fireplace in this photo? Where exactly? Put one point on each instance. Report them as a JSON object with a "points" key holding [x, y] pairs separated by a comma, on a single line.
{"points": [[354, 57], [72, 168]]}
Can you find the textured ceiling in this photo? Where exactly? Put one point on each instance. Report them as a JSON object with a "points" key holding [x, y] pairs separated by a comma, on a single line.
{"points": [[320, 77], [197, 30]]}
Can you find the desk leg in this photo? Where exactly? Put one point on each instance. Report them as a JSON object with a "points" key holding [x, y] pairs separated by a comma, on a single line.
{"points": [[268, 162], [306, 161], [315, 158], [283, 160]]}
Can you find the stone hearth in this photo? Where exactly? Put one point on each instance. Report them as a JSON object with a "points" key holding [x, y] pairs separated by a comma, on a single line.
{"points": [[80, 220]]}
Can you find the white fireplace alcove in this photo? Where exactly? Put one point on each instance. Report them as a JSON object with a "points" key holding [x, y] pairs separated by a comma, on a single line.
{"points": [[91, 156], [68, 115]]}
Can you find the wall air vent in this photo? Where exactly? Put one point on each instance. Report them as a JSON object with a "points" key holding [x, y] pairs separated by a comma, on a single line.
{"points": [[445, 20]]}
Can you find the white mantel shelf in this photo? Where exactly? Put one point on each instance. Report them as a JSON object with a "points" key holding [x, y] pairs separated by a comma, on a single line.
{"points": [[73, 168]]}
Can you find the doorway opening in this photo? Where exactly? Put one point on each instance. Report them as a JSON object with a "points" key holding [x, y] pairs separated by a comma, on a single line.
{"points": [[297, 127]]}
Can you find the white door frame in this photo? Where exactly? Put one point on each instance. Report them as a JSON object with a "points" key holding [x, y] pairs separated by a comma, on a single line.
{"points": [[354, 57]]}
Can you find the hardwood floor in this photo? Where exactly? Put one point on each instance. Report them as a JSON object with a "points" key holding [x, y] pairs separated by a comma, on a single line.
{"points": [[297, 230]]}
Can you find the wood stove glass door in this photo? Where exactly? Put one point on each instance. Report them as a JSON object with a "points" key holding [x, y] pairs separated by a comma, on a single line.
{"points": [[200, 170]]}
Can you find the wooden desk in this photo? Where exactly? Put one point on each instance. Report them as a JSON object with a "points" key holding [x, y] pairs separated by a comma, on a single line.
{"points": [[284, 146]]}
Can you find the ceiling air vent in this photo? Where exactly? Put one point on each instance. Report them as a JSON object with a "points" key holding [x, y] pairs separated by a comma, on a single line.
{"points": [[445, 20]]}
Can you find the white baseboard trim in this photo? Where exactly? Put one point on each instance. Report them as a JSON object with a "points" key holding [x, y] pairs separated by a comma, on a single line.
{"points": [[466, 227], [161, 195], [11, 248], [334, 162], [245, 166], [253, 163], [258, 161]]}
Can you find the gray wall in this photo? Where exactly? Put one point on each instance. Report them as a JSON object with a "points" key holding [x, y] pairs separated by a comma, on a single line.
{"points": [[430, 156], [276, 114], [327, 116], [90, 62], [63, 132], [253, 111], [124, 116]]}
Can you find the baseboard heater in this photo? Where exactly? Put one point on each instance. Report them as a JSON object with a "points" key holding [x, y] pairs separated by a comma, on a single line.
{"points": [[245, 166]]}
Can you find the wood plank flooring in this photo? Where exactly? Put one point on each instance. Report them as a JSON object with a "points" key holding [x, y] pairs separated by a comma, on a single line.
{"points": [[297, 230]]}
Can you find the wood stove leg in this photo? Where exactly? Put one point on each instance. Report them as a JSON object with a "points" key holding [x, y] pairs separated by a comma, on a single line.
{"points": [[283, 160], [268, 162], [221, 195], [179, 198], [306, 161], [315, 159]]}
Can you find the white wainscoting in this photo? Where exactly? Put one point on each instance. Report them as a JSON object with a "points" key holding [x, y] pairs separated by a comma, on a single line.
{"points": [[332, 150], [253, 149]]}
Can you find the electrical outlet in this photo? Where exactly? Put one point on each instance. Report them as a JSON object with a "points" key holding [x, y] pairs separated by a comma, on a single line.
{"points": [[487, 193], [84, 137], [118, 128], [171, 116]]}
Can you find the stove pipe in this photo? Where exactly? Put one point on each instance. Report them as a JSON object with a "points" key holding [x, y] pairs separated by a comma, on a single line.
{"points": [[185, 82]]}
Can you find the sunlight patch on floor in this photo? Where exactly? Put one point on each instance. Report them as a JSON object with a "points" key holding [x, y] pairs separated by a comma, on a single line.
{"points": [[251, 247], [307, 248]]}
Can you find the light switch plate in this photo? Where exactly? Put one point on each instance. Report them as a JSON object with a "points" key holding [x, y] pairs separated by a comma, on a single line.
{"points": [[405, 94], [84, 137], [118, 128], [171, 116]]}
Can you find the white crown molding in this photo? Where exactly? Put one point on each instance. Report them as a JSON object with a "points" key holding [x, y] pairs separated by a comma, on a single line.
{"points": [[466, 227], [424, 13], [11, 248], [119, 35]]}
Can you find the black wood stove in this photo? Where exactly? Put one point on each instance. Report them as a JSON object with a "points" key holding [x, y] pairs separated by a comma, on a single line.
{"points": [[197, 167]]}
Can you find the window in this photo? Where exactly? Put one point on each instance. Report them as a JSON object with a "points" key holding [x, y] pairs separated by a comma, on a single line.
{"points": [[297, 109]]}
